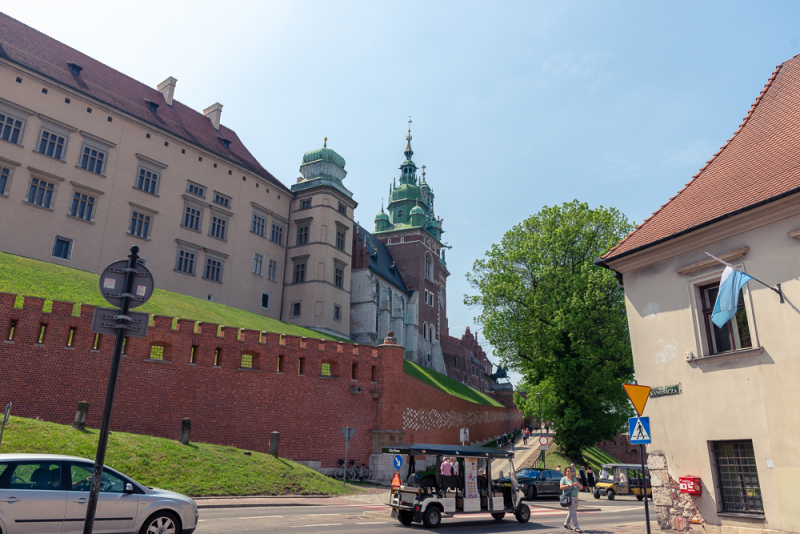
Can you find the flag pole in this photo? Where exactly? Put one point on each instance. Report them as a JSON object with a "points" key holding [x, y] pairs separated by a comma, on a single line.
{"points": [[778, 291]]}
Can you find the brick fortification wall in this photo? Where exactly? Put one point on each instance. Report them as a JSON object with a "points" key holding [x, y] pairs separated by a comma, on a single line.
{"points": [[621, 449], [227, 405], [432, 416]]}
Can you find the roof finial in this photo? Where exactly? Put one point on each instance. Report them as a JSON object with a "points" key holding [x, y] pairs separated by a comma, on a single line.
{"points": [[423, 173], [409, 128], [325, 145]]}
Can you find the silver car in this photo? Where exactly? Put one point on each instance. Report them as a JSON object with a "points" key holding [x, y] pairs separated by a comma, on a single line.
{"points": [[48, 494]]}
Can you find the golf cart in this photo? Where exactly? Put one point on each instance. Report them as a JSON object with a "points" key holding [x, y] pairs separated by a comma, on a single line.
{"points": [[624, 479], [427, 498]]}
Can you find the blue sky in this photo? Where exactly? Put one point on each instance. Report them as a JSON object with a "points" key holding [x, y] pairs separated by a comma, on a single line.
{"points": [[516, 105]]}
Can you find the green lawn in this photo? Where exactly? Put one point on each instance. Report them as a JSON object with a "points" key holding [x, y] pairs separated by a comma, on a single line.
{"points": [[591, 456], [447, 384], [197, 469], [25, 276]]}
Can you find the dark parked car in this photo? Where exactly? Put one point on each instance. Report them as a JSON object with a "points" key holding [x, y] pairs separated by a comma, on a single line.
{"points": [[536, 483]]}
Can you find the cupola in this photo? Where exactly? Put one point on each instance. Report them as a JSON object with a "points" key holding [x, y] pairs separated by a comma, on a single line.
{"points": [[381, 221]]}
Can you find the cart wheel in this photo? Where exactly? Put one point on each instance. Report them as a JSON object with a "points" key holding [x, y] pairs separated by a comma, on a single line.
{"points": [[498, 516], [405, 517], [596, 494], [610, 495], [432, 517], [639, 497], [523, 514]]}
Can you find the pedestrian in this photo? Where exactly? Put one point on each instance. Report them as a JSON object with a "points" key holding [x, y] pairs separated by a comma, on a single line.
{"points": [[454, 463], [603, 473], [512, 444], [583, 478], [590, 479], [447, 467], [570, 486], [524, 438], [559, 468]]}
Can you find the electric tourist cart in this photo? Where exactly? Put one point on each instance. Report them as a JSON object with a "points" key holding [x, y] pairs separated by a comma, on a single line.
{"points": [[624, 479], [470, 489]]}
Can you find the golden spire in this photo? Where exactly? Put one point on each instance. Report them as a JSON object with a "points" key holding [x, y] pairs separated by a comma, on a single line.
{"points": [[326, 143]]}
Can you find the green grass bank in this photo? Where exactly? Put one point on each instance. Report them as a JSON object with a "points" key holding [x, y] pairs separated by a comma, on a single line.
{"points": [[197, 469], [448, 385]]}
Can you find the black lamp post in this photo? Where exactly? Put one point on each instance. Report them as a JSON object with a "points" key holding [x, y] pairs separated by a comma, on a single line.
{"points": [[539, 399]]}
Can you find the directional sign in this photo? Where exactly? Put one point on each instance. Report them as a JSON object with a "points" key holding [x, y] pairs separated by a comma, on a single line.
{"points": [[106, 321], [639, 428], [112, 284], [398, 461], [543, 440], [638, 396]]}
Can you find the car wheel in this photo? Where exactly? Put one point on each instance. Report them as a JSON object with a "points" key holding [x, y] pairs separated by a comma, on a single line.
{"points": [[596, 494], [162, 522], [531, 493], [432, 517], [498, 516], [523, 514], [610, 495], [405, 517]]}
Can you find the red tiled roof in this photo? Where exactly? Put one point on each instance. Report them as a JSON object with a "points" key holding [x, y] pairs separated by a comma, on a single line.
{"points": [[759, 164], [36, 51]]}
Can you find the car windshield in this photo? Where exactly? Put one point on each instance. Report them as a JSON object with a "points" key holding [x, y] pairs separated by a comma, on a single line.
{"points": [[527, 473]]}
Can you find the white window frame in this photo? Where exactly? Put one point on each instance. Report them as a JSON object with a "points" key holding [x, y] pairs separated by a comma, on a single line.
{"points": [[137, 208], [258, 264], [184, 246], [221, 216], [274, 270], [282, 233], [211, 256], [9, 109], [88, 191], [155, 168], [92, 142], [69, 249], [52, 126], [264, 215], [48, 178], [191, 202]]}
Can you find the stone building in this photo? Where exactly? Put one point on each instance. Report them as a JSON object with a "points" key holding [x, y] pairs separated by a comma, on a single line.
{"points": [[732, 420]]}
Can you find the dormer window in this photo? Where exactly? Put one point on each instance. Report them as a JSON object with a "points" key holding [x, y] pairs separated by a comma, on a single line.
{"points": [[151, 105], [225, 142], [75, 69]]}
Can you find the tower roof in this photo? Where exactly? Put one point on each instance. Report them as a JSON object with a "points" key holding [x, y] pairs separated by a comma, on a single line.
{"points": [[324, 154]]}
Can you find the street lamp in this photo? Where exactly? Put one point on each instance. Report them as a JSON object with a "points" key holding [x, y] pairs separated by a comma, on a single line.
{"points": [[539, 399]]}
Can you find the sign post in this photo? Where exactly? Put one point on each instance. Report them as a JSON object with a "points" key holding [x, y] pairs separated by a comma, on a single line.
{"points": [[5, 420], [463, 435], [127, 284], [639, 431], [348, 432], [543, 446]]}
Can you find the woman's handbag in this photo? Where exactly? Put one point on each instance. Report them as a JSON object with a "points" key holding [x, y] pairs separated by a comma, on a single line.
{"points": [[565, 500]]}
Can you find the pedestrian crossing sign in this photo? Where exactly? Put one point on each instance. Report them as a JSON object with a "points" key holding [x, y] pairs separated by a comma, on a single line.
{"points": [[639, 428]]}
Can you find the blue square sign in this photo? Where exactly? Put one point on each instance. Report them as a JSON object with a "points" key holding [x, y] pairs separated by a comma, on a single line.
{"points": [[639, 430]]}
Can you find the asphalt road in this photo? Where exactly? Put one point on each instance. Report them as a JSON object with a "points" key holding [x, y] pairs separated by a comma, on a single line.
{"points": [[368, 519]]}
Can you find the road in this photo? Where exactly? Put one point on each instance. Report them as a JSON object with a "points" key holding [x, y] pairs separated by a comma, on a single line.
{"points": [[611, 517]]}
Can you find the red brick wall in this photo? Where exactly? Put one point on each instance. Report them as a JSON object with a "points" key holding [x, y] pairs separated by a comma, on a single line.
{"points": [[432, 416], [621, 449]]}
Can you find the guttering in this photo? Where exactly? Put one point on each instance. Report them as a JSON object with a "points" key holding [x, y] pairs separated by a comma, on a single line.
{"points": [[600, 262]]}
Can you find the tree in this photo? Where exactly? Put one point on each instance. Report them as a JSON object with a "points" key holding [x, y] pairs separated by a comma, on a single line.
{"points": [[559, 320]]}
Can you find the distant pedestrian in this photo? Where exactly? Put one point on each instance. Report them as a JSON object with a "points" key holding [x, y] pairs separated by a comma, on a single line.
{"points": [[570, 486], [454, 463], [583, 478], [447, 468], [559, 468], [590, 479], [603, 474]]}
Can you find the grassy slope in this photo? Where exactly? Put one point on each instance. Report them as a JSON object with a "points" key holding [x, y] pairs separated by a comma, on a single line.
{"points": [[197, 469], [25, 276], [592, 456], [447, 384]]}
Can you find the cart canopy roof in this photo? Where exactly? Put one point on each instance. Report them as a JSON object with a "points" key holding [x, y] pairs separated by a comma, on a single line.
{"points": [[424, 449], [626, 466]]}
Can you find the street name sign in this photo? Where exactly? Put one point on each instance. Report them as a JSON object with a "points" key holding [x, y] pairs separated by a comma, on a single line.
{"points": [[665, 391], [638, 396], [639, 429]]}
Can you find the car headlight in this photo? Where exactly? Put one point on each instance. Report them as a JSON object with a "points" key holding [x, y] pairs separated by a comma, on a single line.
{"points": [[194, 505]]}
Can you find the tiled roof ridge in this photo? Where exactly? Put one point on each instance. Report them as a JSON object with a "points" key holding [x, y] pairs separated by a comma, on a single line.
{"points": [[609, 254], [259, 170]]}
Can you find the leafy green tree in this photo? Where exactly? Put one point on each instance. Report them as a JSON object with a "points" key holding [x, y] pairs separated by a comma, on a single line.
{"points": [[559, 320]]}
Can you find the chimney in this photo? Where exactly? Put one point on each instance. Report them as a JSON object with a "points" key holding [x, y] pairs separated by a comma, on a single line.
{"points": [[213, 113], [167, 88]]}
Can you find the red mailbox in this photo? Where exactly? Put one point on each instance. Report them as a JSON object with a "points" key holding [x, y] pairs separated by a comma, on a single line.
{"points": [[691, 485]]}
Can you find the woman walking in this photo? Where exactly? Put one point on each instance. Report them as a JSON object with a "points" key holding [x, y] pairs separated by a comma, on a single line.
{"points": [[590, 479], [571, 486]]}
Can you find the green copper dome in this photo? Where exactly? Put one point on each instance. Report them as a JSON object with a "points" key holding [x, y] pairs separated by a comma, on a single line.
{"points": [[382, 216], [324, 154], [405, 192], [417, 211]]}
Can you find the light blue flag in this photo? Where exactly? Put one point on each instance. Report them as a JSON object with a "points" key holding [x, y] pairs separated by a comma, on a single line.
{"points": [[728, 297]]}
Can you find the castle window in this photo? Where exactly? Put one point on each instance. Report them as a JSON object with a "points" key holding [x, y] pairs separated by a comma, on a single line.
{"points": [[41, 193], [302, 235], [10, 129], [219, 227], [185, 263], [258, 263], [265, 300], [342, 209], [277, 234], [400, 214], [52, 144], [337, 313], [140, 225], [305, 204], [425, 330], [196, 189], [247, 361], [192, 217], [82, 206], [299, 273], [93, 160], [222, 200], [272, 270], [62, 248], [338, 276], [147, 181], [213, 270], [325, 369], [296, 309], [428, 265], [340, 239]]}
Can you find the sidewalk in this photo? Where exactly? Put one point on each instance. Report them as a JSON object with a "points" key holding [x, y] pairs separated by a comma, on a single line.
{"points": [[258, 501]]}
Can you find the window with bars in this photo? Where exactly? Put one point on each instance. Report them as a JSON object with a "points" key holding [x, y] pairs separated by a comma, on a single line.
{"points": [[299, 273], [41, 192], [185, 262], [140, 225], [735, 334], [218, 227], [192, 218], [302, 235], [147, 181], [247, 361], [325, 369], [4, 176], [340, 239], [213, 270], [62, 248], [338, 276], [52, 144], [82, 206], [277, 234], [737, 477], [272, 270], [259, 224], [10, 129], [156, 352], [93, 160], [258, 263]]}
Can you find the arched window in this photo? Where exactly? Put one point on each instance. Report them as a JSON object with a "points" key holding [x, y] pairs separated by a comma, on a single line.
{"points": [[431, 333], [428, 265], [425, 330]]}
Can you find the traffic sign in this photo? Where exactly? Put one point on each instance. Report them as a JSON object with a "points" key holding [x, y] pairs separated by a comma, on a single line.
{"points": [[638, 396], [348, 432], [544, 447], [639, 429], [398, 461], [543, 440], [106, 321], [112, 284]]}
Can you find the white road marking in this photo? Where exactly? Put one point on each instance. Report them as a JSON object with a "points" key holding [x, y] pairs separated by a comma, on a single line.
{"points": [[260, 516], [322, 525], [374, 523]]}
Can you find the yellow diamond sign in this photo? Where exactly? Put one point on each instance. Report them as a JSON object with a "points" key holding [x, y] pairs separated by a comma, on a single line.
{"points": [[638, 396]]}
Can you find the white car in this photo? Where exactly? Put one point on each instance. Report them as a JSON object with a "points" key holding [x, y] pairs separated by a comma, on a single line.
{"points": [[48, 494]]}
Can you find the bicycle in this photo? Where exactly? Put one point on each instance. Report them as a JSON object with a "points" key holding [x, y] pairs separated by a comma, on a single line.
{"points": [[352, 471], [364, 473], [339, 474]]}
